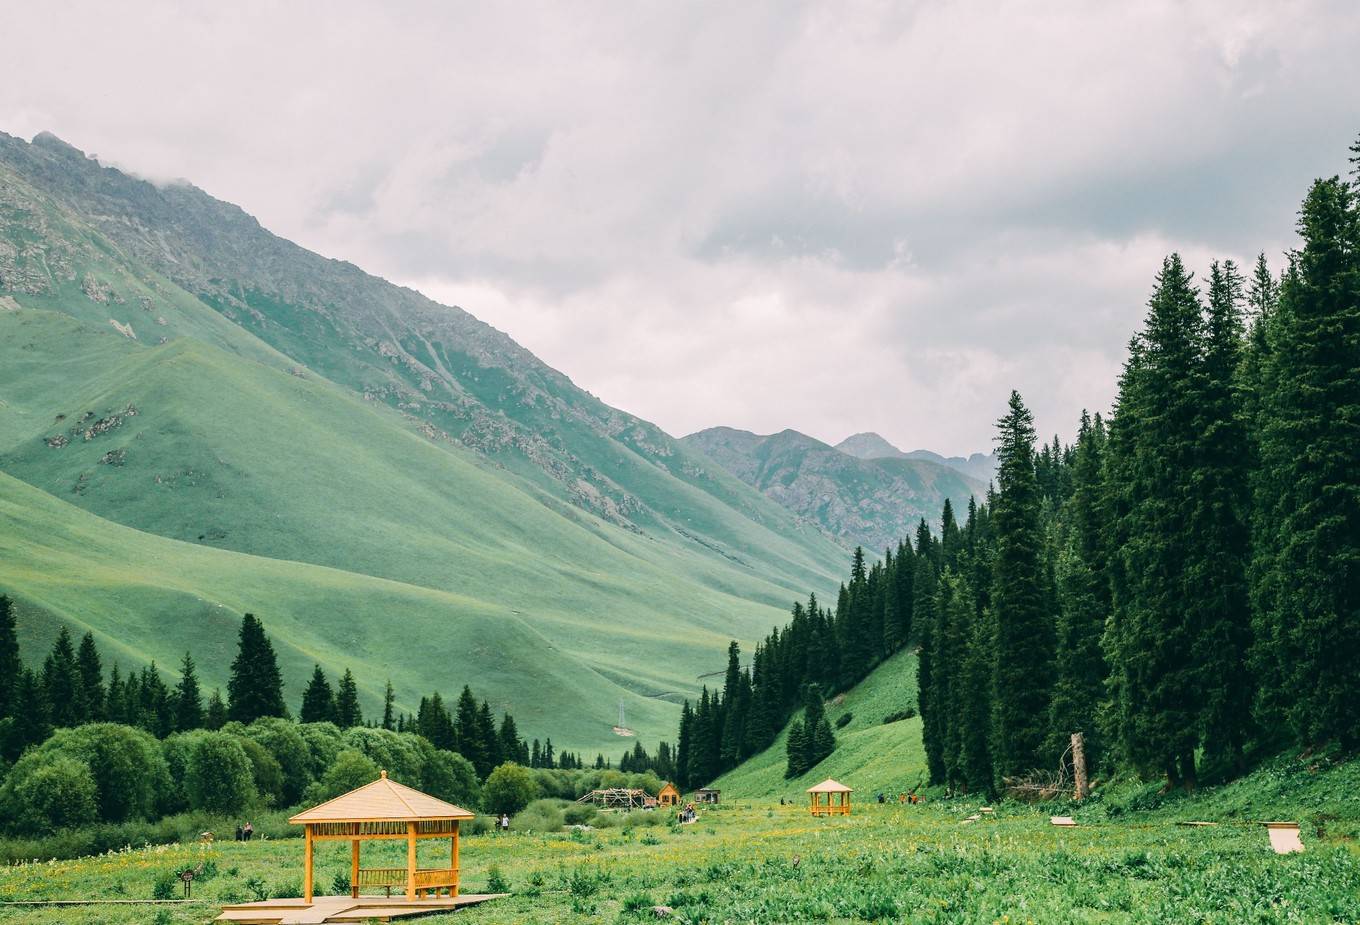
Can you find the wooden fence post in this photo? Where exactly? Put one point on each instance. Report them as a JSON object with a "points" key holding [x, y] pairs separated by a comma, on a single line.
{"points": [[1079, 765]]}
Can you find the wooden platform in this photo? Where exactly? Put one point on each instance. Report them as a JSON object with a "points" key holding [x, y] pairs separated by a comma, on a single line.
{"points": [[344, 909]]}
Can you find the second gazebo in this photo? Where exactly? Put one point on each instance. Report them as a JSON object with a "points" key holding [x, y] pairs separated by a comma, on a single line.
{"points": [[839, 806], [385, 810]]}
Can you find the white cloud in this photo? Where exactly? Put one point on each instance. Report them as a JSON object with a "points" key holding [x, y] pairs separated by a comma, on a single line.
{"points": [[873, 217]]}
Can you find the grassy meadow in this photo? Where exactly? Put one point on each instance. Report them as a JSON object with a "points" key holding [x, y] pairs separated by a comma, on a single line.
{"points": [[754, 861]]}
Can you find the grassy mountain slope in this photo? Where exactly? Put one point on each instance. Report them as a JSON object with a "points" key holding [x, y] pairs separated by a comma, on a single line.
{"points": [[146, 597], [225, 452], [870, 756], [869, 502], [81, 233]]}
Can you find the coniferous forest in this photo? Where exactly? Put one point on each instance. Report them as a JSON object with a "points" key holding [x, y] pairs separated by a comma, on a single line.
{"points": [[1180, 584]]}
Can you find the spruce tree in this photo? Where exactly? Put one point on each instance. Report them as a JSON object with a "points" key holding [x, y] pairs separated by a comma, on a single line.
{"points": [[63, 688], [1154, 444], [215, 715], [489, 742], [1219, 524], [933, 719], [1311, 428], [389, 707], [188, 700], [318, 700], [1024, 630], [347, 712], [796, 750], [91, 678], [470, 745], [9, 657], [255, 686]]}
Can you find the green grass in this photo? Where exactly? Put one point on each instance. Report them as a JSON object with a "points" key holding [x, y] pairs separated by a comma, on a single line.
{"points": [[754, 861], [869, 757]]}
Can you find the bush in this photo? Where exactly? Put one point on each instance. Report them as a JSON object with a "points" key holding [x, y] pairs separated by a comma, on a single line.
{"points": [[60, 794], [281, 739], [448, 775], [578, 814], [265, 770], [844, 720], [540, 816], [395, 752], [324, 743], [495, 883], [509, 788], [219, 778], [908, 713], [164, 886], [129, 772]]}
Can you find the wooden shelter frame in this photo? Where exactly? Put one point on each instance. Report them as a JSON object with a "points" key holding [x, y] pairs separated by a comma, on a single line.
{"points": [[829, 807], [415, 816]]}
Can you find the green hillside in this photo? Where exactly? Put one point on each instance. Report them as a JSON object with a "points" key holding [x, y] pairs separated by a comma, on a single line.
{"points": [[870, 502], [212, 449], [870, 756], [168, 365]]}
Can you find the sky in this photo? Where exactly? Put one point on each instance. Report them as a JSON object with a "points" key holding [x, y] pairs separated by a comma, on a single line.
{"points": [[826, 217]]}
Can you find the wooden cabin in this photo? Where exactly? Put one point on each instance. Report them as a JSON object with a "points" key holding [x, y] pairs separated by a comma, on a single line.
{"points": [[668, 796], [830, 798], [706, 795]]}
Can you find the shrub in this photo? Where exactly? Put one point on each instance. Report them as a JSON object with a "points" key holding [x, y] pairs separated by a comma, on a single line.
{"points": [[540, 816], [908, 713], [60, 794], [395, 752], [281, 739], [844, 720], [578, 814], [495, 882], [509, 788], [266, 771], [164, 886], [129, 772], [637, 903], [448, 775], [340, 884], [219, 776], [258, 889], [324, 743]]}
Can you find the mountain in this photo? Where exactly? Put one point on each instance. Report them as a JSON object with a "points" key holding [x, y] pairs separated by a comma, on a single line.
{"points": [[869, 445], [868, 502], [177, 374]]}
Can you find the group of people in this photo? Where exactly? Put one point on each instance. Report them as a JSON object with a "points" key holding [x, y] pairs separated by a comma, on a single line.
{"points": [[244, 832], [688, 814]]}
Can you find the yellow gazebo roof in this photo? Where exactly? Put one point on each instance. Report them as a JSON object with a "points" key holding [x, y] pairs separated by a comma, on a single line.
{"points": [[383, 800], [829, 786]]}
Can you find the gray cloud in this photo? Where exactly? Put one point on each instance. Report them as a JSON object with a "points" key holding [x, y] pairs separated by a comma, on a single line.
{"points": [[828, 217]]}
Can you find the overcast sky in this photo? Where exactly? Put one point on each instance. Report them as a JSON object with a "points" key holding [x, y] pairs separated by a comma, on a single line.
{"points": [[827, 217]]}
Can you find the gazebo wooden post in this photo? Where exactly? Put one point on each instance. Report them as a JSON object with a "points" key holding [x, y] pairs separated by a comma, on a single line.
{"points": [[354, 866], [410, 861], [307, 863], [453, 860]]}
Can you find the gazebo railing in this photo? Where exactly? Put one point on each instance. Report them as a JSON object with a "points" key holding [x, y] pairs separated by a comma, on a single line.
{"points": [[427, 879], [424, 829]]}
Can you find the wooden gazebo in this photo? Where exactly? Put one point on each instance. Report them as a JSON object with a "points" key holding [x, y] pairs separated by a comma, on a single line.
{"points": [[385, 810], [829, 807], [668, 796]]}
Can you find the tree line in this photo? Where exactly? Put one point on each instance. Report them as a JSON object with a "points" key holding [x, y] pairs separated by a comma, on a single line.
{"points": [[1182, 584]]}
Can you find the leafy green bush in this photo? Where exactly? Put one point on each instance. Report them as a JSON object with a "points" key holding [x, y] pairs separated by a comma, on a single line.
{"points": [[219, 777], [165, 885], [844, 720], [908, 713], [285, 744], [509, 788], [539, 816], [578, 813], [495, 881], [60, 794]]}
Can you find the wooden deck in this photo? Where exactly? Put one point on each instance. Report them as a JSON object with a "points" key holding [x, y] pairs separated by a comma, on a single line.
{"points": [[344, 909]]}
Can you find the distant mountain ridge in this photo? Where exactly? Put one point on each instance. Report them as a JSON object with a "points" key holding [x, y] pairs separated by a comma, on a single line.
{"points": [[872, 502], [869, 445]]}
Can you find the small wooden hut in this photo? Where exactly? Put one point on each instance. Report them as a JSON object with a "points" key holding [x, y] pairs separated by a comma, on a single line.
{"points": [[385, 810], [706, 795], [668, 796], [837, 798]]}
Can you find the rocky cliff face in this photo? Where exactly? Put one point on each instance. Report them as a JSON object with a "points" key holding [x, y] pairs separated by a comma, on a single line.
{"points": [[869, 502]]}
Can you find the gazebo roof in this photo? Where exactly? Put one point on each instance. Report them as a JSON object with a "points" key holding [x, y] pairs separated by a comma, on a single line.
{"points": [[383, 800], [829, 786]]}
